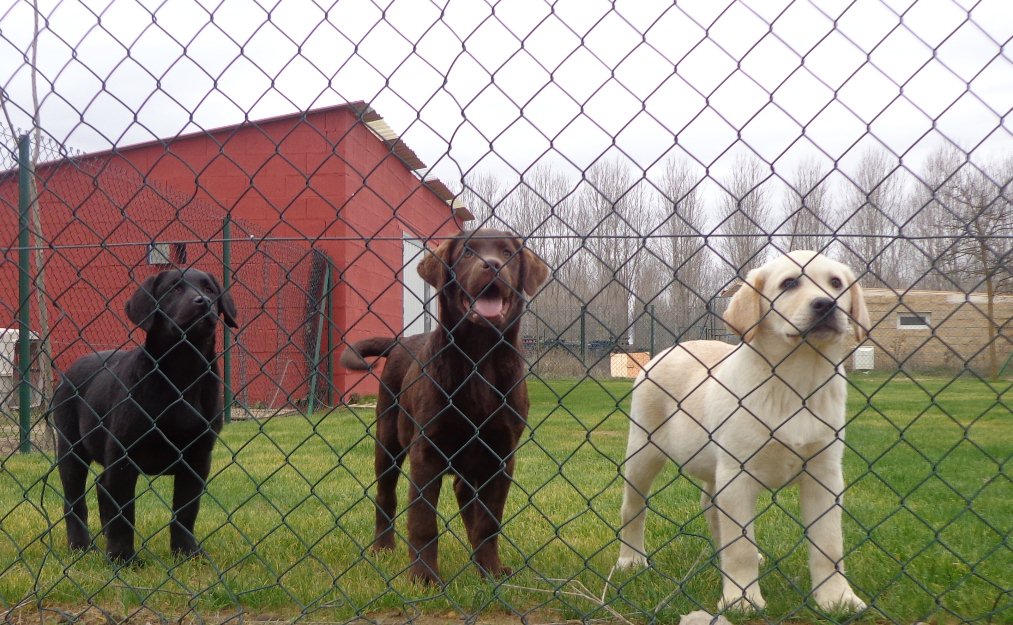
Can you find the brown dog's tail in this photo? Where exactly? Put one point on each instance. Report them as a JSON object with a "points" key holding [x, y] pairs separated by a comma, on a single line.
{"points": [[354, 357]]}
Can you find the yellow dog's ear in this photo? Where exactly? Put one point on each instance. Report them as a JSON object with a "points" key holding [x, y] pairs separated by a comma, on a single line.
{"points": [[859, 313], [745, 310], [435, 267]]}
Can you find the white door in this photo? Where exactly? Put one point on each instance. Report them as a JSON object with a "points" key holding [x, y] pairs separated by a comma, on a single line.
{"points": [[418, 303]]}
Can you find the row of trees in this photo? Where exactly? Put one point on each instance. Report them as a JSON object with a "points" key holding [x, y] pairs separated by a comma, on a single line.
{"points": [[621, 241]]}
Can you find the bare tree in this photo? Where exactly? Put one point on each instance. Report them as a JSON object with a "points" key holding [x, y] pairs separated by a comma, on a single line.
{"points": [[745, 211], [691, 275], [616, 216], [809, 208], [874, 216], [977, 207], [936, 268]]}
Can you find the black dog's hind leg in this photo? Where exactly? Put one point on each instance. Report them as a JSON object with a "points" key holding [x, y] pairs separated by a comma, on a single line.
{"points": [[116, 489], [190, 480], [74, 475]]}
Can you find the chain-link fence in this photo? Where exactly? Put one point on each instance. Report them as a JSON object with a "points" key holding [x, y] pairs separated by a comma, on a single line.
{"points": [[658, 159]]}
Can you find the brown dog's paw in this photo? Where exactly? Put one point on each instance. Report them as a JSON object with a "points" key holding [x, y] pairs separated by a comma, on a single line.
{"points": [[496, 571], [383, 544], [422, 575]]}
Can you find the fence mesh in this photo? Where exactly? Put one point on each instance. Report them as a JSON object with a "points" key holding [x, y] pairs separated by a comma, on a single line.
{"points": [[659, 159]]}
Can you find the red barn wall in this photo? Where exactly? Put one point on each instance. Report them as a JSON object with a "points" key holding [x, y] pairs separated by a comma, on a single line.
{"points": [[326, 181], [322, 180]]}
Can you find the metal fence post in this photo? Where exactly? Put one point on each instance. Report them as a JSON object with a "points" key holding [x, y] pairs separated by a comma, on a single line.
{"points": [[227, 331], [583, 342], [651, 313], [330, 334], [24, 302], [321, 311]]}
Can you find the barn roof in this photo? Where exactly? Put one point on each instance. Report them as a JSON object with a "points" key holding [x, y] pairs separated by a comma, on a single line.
{"points": [[370, 118]]}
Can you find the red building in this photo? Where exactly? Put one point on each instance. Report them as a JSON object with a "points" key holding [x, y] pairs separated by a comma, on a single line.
{"points": [[329, 187]]}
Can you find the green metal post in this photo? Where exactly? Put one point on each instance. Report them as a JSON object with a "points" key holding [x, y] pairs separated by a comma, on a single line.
{"points": [[330, 335], [24, 301], [311, 400], [583, 343], [227, 334], [651, 313]]}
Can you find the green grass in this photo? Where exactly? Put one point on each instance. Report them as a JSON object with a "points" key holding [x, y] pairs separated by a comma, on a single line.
{"points": [[288, 518]]}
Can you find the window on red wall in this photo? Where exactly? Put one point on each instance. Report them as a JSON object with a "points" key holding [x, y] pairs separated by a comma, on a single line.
{"points": [[166, 253]]}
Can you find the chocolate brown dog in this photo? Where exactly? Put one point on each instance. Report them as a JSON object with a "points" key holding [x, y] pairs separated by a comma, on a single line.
{"points": [[156, 410], [454, 400]]}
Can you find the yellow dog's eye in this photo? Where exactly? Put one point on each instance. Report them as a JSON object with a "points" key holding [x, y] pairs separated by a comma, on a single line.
{"points": [[789, 283], [836, 283]]}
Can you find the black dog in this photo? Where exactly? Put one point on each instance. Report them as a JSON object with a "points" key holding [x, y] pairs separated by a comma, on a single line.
{"points": [[154, 410], [454, 401]]}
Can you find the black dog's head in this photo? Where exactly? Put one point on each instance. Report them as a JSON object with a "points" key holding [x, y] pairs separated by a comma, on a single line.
{"points": [[482, 276], [182, 302]]}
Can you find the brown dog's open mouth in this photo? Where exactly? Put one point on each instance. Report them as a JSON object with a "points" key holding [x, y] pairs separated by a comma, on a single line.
{"points": [[490, 305]]}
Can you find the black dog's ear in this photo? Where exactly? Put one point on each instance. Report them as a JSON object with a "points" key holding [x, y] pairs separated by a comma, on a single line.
{"points": [[226, 307], [142, 304], [435, 267]]}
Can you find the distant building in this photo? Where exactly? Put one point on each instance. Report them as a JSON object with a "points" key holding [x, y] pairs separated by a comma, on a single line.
{"points": [[927, 330]]}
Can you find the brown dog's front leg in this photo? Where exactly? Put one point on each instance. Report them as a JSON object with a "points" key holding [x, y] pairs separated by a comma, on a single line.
{"points": [[427, 468], [484, 519]]}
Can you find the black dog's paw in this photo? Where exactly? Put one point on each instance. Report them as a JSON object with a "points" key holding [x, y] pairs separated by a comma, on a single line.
{"points": [[125, 560], [79, 548], [194, 552]]}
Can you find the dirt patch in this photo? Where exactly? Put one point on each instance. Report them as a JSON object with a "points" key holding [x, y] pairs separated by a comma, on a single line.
{"points": [[91, 615]]}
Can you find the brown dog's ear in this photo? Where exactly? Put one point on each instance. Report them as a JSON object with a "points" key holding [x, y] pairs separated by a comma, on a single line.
{"points": [[745, 311], [142, 304], [226, 307], [435, 266], [859, 313], [536, 272]]}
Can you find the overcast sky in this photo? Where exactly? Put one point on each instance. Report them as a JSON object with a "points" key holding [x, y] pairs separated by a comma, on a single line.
{"points": [[501, 86]]}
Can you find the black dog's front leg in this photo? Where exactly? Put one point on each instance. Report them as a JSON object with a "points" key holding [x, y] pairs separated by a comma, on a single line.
{"points": [[189, 485], [116, 488]]}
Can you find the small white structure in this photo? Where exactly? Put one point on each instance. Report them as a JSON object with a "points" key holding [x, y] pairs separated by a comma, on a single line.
{"points": [[9, 374], [865, 358]]}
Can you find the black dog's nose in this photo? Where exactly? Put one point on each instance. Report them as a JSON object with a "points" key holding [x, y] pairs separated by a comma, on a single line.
{"points": [[200, 300], [823, 305]]}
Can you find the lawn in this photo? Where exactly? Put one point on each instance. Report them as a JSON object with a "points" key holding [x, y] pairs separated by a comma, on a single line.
{"points": [[288, 518]]}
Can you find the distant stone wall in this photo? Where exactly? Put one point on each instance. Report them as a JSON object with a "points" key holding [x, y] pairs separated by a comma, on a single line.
{"points": [[956, 336]]}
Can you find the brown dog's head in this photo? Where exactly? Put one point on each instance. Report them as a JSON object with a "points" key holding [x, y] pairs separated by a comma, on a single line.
{"points": [[483, 276]]}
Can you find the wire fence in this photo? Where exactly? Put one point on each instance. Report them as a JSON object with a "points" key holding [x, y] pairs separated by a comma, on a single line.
{"points": [[651, 166]]}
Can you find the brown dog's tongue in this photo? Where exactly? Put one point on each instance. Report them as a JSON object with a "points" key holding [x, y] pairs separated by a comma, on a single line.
{"points": [[489, 306]]}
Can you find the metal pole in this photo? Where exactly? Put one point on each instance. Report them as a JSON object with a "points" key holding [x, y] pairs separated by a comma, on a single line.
{"points": [[321, 307], [651, 312], [330, 334], [227, 334], [583, 343], [24, 302]]}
